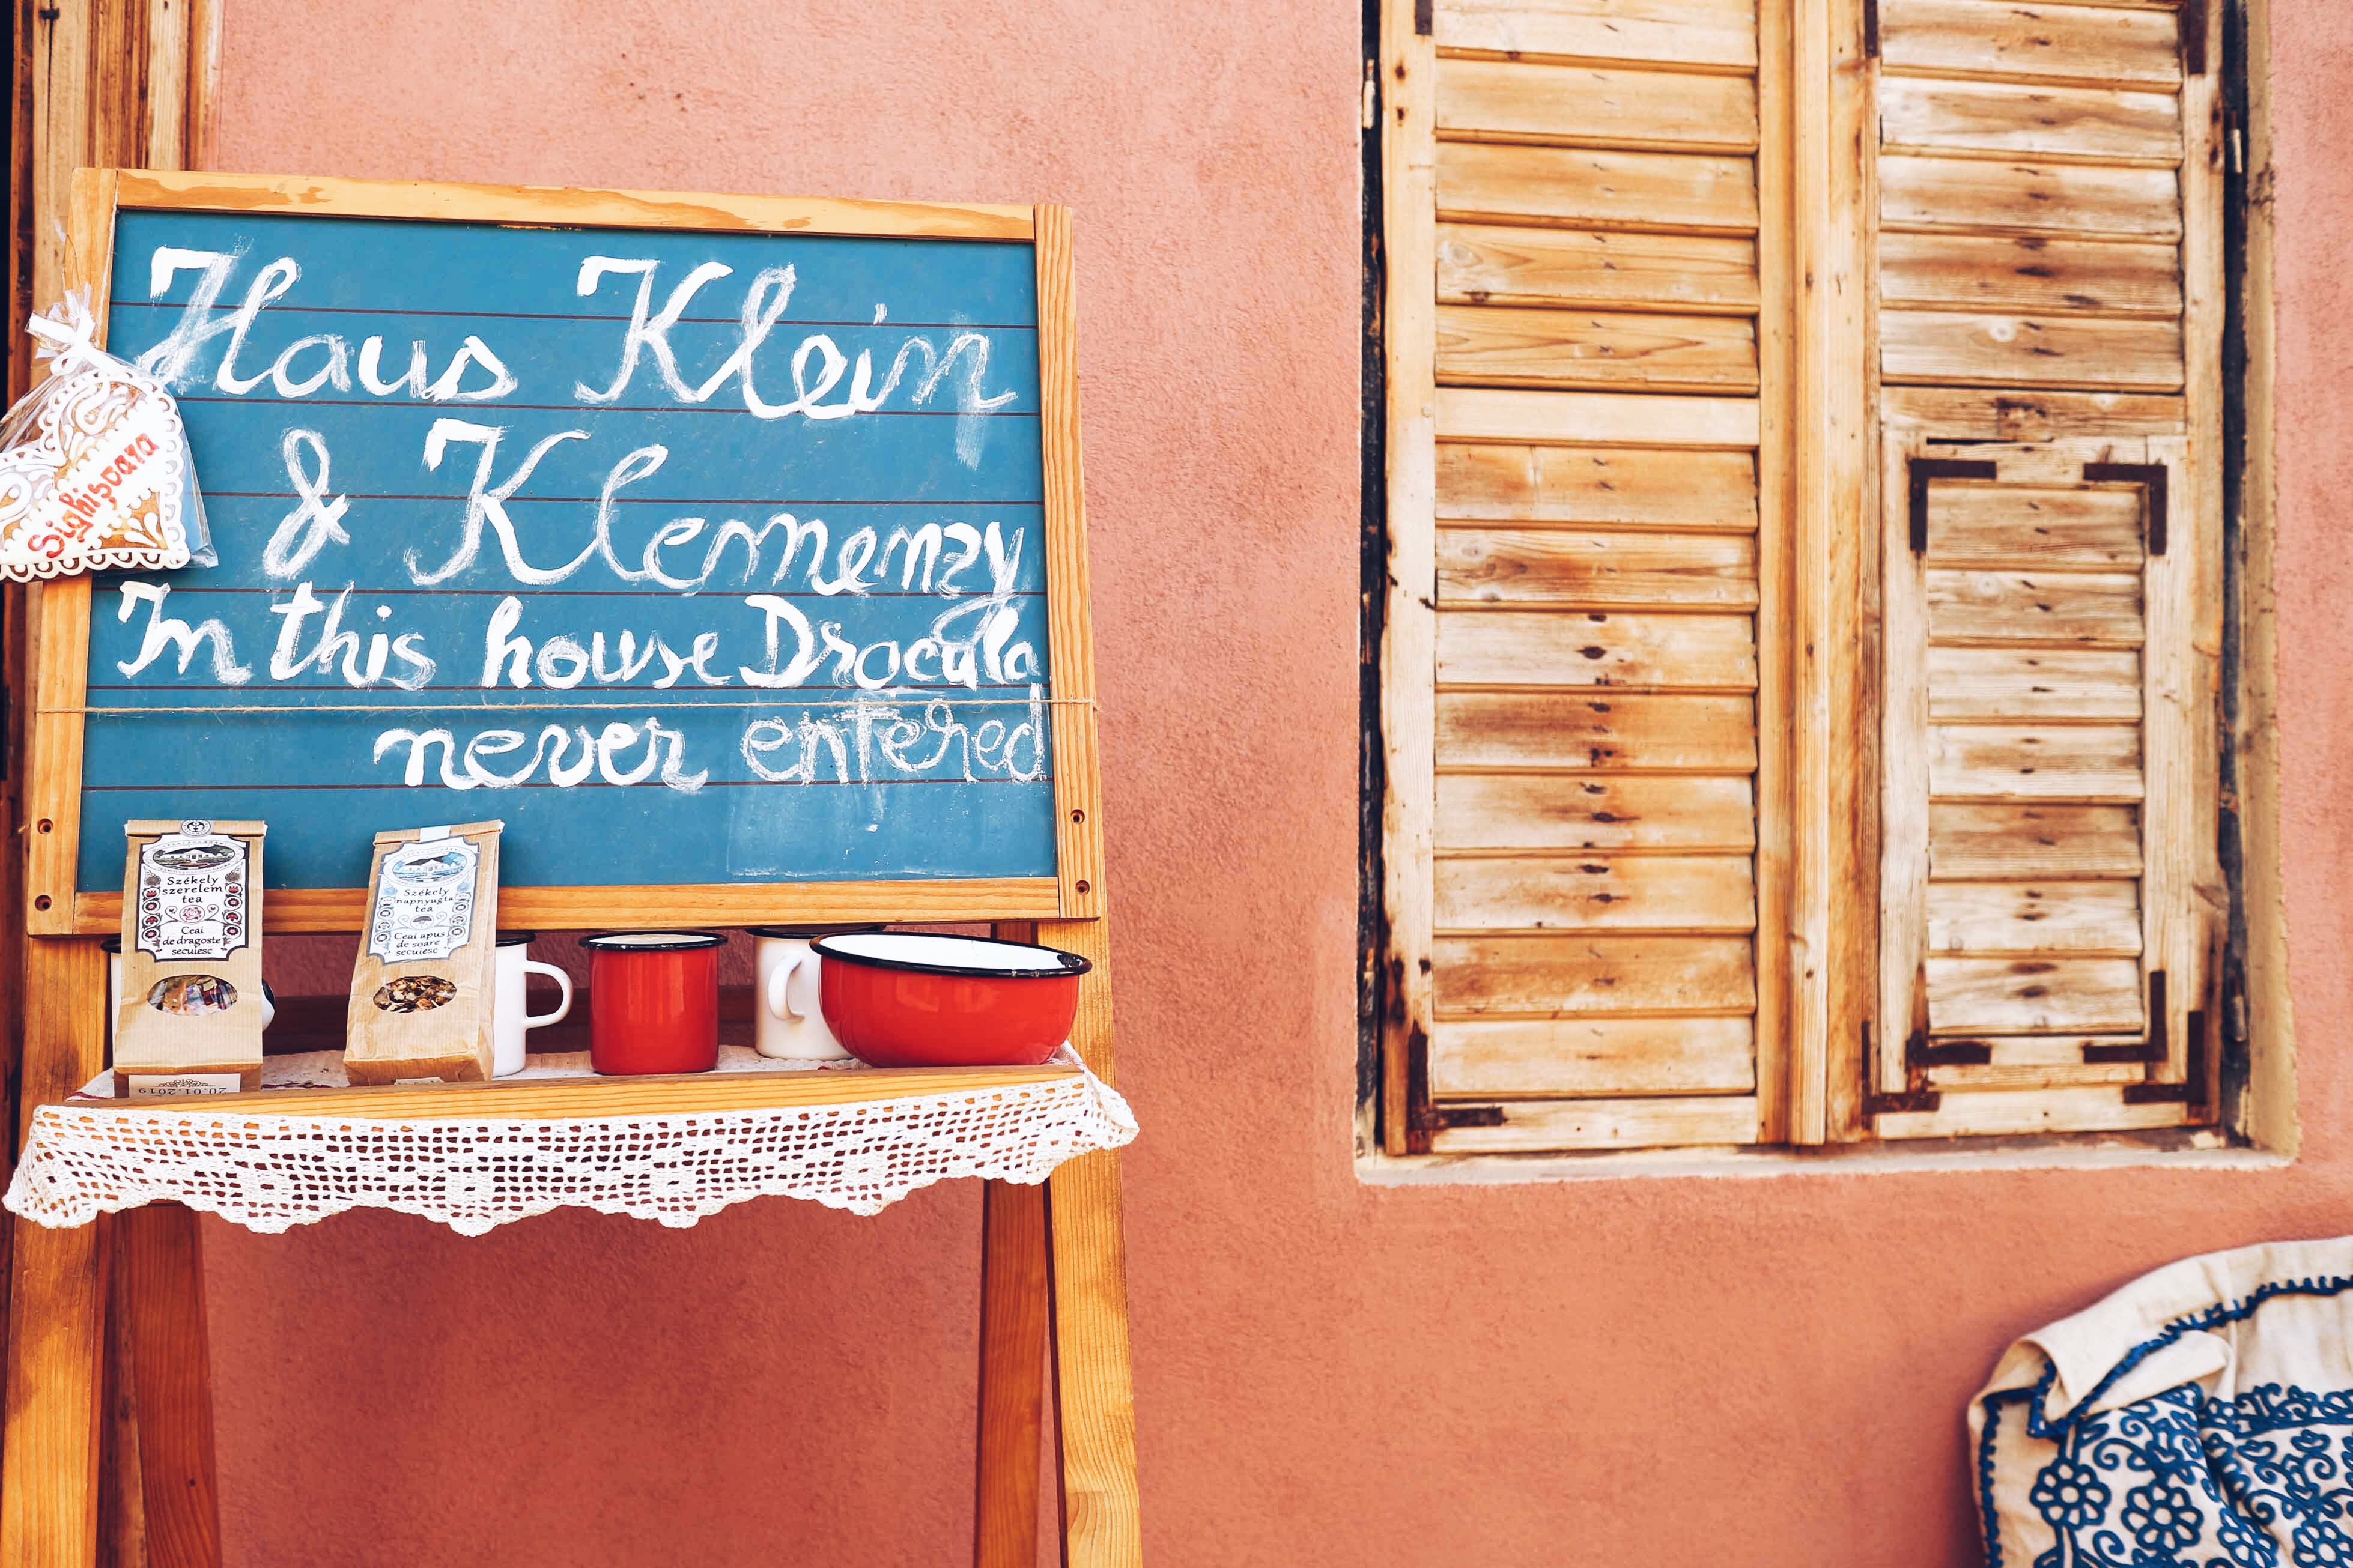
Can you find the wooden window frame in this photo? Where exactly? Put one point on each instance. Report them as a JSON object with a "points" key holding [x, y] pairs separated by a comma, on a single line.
{"points": [[1833, 979]]}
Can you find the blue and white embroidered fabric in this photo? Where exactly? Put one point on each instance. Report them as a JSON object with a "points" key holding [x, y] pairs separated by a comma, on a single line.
{"points": [[2201, 1416]]}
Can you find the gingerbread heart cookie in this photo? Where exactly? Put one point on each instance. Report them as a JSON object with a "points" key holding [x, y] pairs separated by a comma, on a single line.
{"points": [[98, 480]]}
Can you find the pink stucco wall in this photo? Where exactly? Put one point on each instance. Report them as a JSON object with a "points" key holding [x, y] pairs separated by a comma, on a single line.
{"points": [[1632, 1372]]}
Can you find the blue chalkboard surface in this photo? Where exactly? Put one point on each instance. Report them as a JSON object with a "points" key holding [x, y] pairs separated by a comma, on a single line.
{"points": [[698, 558]]}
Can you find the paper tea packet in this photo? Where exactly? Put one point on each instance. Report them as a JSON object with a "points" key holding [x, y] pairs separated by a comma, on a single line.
{"points": [[422, 991], [95, 473], [190, 1017]]}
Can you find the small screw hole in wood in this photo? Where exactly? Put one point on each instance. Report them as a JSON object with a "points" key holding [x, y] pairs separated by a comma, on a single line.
{"points": [[1083, 887], [46, 825], [1078, 816], [42, 903]]}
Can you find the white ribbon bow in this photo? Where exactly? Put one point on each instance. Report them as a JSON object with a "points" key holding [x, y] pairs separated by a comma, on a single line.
{"points": [[63, 336]]}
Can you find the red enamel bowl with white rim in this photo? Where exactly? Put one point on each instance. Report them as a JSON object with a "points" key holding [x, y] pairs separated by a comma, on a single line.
{"points": [[908, 999]]}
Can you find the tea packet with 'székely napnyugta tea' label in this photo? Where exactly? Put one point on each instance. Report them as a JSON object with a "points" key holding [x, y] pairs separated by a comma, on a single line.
{"points": [[95, 470], [422, 990], [189, 1018]]}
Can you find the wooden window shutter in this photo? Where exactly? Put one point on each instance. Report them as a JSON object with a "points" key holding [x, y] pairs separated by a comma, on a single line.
{"points": [[1586, 646], [1590, 693], [2044, 948], [2050, 272]]}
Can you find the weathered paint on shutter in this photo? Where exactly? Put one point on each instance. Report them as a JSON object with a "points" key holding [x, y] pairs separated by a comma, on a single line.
{"points": [[1589, 559]]}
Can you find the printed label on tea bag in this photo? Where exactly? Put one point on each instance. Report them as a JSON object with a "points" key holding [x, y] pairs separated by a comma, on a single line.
{"points": [[424, 901], [140, 1086], [194, 895]]}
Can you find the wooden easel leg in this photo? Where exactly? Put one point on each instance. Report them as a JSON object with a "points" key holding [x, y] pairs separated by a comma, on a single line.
{"points": [[1094, 1394], [1012, 1374], [56, 1320], [48, 1469], [122, 1512], [1013, 1308], [171, 1366], [1094, 1397]]}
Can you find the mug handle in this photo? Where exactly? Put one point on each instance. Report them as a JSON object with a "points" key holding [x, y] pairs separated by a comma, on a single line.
{"points": [[780, 994], [564, 980]]}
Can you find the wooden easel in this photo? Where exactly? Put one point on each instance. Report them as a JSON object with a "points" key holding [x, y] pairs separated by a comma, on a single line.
{"points": [[1053, 1273], [1053, 1267]]}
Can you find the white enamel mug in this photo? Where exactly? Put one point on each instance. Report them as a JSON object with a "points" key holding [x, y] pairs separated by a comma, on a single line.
{"points": [[791, 1023], [511, 1017]]}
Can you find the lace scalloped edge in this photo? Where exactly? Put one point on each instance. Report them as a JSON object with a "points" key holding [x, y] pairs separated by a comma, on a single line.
{"points": [[1095, 1119], [102, 560], [685, 1217]]}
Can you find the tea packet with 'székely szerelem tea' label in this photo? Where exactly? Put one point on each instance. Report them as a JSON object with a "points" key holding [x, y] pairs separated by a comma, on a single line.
{"points": [[422, 990], [95, 471], [190, 1017]]}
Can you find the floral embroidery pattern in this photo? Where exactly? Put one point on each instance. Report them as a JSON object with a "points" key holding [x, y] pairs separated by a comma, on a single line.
{"points": [[2248, 1547], [2180, 1479], [2068, 1493], [2150, 1485], [2162, 1518]]}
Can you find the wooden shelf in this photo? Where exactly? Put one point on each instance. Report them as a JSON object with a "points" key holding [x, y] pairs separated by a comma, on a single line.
{"points": [[311, 1023]]}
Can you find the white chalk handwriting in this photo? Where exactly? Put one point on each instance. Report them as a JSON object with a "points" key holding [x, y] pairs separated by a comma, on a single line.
{"points": [[803, 647]]}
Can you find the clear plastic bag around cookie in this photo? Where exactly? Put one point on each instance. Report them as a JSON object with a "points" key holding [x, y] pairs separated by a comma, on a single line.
{"points": [[95, 470]]}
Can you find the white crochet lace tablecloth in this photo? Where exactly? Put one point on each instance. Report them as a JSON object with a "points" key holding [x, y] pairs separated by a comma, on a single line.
{"points": [[94, 1155]]}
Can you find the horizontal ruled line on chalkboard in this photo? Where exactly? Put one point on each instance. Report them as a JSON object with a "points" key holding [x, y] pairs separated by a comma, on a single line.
{"points": [[542, 783], [527, 593], [1020, 689], [624, 318], [840, 698], [1017, 696], [625, 501], [590, 408]]}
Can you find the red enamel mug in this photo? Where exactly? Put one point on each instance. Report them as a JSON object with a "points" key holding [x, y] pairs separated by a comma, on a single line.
{"points": [[653, 1001]]}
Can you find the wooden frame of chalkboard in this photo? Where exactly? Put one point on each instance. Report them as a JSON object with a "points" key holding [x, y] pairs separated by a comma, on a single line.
{"points": [[57, 905]]}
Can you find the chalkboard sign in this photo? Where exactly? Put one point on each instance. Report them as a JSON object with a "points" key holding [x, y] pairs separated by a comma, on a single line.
{"points": [[728, 550]]}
